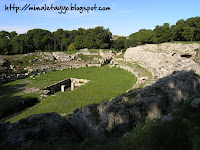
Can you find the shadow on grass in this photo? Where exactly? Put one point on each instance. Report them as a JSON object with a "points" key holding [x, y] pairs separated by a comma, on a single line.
{"points": [[12, 102], [118, 116], [113, 118]]}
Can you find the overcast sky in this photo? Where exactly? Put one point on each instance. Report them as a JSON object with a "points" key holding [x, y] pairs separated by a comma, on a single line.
{"points": [[124, 18]]}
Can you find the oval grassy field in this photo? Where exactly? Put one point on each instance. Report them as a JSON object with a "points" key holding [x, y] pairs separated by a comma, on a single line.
{"points": [[105, 83]]}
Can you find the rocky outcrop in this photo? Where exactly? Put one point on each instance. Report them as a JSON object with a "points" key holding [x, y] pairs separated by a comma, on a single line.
{"points": [[162, 59], [61, 56], [45, 128], [195, 103], [47, 56], [143, 76], [110, 118], [117, 116]]}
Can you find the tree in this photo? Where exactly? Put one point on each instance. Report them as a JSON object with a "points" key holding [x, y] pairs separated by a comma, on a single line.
{"points": [[89, 42], [102, 37], [144, 36], [78, 41], [13, 34], [130, 42], [71, 47], [4, 42], [188, 34], [41, 39], [119, 44], [162, 33]]}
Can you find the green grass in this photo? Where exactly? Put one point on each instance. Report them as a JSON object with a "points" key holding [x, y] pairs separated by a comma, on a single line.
{"points": [[21, 61], [105, 83], [71, 52], [182, 133], [12, 94], [120, 56], [142, 72], [89, 57], [97, 50]]}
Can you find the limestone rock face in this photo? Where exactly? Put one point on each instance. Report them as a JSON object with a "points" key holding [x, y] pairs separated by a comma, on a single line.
{"points": [[61, 56], [117, 116], [49, 127], [167, 118], [195, 103], [162, 59], [114, 117], [47, 56]]}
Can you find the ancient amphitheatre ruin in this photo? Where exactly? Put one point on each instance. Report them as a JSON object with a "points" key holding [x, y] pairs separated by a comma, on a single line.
{"points": [[161, 70]]}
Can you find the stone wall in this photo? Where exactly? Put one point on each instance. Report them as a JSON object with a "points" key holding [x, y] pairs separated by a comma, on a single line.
{"points": [[88, 53], [8, 78], [64, 61], [63, 85], [57, 86], [94, 65], [79, 82]]}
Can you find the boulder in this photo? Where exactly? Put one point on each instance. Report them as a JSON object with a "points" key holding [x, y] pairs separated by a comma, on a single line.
{"points": [[47, 128], [47, 56], [167, 118], [119, 115], [114, 117], [195, 103], [61, 56], [162, 59]]}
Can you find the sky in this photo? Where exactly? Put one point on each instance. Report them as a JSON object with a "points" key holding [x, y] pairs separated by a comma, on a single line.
{"points": [[124, 18]]}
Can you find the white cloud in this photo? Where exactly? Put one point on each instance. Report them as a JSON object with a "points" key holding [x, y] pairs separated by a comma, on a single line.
{"points": [[18, 29]]}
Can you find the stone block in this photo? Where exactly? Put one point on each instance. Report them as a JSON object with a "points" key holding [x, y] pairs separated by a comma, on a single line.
{"points": [[62, 88], [72, 86]]}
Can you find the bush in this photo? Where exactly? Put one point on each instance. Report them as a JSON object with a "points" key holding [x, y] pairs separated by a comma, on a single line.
{"points": [[119, 44], [131, 42], [71, 47]]}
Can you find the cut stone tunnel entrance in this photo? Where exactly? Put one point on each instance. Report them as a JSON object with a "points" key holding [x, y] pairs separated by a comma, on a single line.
{"points": [[68, 84]]}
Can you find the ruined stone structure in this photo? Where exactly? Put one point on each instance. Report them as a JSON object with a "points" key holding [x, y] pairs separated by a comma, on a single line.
{"points": [[69, 83], [57, 86], [162, 59], [114, 117], [61, 61], [117, 116]]}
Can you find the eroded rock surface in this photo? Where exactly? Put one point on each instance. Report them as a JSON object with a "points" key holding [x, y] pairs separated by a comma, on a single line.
{"points": [[162, 59], [47, 56], [195, 103], [61, 56], [49, 127], [119, 115], [114, 117]]}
